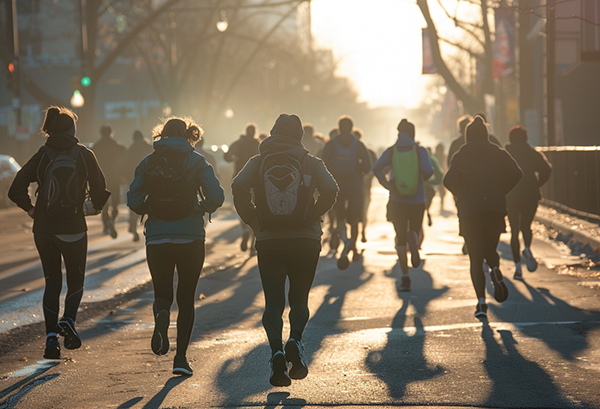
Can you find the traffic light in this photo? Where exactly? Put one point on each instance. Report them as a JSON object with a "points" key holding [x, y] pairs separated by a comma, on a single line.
{"points": [[86, 81], [11, 76]]}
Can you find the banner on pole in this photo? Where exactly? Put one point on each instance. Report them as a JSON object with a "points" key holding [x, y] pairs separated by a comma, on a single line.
{"points": [[428, 64], [503, 62]]}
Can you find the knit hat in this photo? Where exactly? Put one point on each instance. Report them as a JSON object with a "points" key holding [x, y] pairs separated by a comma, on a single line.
{"points": [[517, 134], [288, 125], [407, 127], [477, 130]]}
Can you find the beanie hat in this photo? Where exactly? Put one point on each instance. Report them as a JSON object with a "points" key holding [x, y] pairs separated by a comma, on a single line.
{"points": [[407, 127], [477, 130], [517, 134], [288, 125]]}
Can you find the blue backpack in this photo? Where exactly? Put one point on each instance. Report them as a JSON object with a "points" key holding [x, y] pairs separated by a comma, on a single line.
{"points": [[345, 160]]}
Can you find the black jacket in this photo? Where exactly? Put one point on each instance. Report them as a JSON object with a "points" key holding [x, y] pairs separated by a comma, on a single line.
{"points": [[460, 141], [240, 152], [536, 172], [42, 221], [108, 151], [480, 176]]}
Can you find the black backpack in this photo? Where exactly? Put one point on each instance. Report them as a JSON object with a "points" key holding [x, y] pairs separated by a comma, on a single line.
{"points": [[170, 197], [61, 183], [283, 192]]}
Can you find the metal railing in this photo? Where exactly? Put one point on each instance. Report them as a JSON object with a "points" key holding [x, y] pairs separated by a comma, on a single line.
{"points": [[574, 185]]}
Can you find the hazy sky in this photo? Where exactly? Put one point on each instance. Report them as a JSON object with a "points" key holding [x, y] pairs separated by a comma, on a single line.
{"points": [[378, 44]]}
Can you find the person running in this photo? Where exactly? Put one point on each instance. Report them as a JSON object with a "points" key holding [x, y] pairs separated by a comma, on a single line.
{"points": [[138, 150], [480, 176], [408, 166], [431, 184], [288, 238], [311, 142], [239, 153], [440, 155], [523, 200], [348, 160], [166, 187], [108, 151], [64, 170]]}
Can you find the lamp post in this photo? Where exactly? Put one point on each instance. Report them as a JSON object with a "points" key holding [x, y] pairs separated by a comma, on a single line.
{"points": [[550, 69], [16, 63]]}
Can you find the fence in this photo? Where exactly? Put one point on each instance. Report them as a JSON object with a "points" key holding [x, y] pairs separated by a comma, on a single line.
{"points": [[574, 185]]}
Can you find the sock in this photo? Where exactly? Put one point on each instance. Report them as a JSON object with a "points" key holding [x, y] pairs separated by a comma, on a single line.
{"points": [[482, 300], [518, 265], [51, 334]]}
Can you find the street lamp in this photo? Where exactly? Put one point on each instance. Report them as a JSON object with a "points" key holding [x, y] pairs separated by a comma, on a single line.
{"points": [[77, 100], [222, 24]]}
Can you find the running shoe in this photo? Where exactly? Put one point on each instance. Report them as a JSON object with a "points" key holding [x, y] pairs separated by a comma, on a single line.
{"points": [[110, 225], [518, 274], [66, 328], [343, 262], [404, 284], [293, 354], [181, 366], [500, 289], [160, 340], [355, 255], [481, 310], [52, 348], [413, 246], [279, 370], [531, 262]]}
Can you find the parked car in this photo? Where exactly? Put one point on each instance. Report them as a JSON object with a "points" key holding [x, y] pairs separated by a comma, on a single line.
{"points": [[8, 169]]}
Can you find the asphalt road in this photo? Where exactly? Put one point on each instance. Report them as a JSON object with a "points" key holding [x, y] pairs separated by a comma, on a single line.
{"points": [[367, 345]]}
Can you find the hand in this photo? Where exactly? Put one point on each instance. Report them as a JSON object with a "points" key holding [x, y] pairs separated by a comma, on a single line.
{"points": [[30, 212]]}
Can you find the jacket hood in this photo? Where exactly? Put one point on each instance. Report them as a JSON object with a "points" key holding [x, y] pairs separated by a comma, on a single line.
{"points": [[279, 143], [404, 140], [61, 141], [345, 139], [173, 143]]}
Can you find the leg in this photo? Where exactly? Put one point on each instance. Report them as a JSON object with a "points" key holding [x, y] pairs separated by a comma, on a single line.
{"points": [[116, 199], [414, 215], [399, 219], [51, 265], [273, 273], [190, 259], [527, 215], [514, 219], [473, 241], [302, 265], [75, 256]]}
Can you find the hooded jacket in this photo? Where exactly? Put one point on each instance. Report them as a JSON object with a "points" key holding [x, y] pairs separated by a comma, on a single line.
{"points": [[240, 152], [536, 172], [363, 165], [198, 174], [86, 161], [247, 180], [383, 166], [457, 143], [480, 176]]}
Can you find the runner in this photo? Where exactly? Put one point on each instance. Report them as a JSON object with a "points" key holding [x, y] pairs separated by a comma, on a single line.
{"points": [[60, 167], [442, 159], [480, 176], [523, 200], [166, 187], [108, 151], [288, 247], [138, 150], [408, 166], [348, 160], [239, 153]]}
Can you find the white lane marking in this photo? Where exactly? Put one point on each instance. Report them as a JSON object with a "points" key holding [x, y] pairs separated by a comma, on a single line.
{"points": [[39, 367]]}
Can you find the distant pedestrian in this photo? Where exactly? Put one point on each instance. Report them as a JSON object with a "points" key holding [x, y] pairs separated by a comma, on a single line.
{"points": [[286, 222], [348, 160], [310, 142], [262, 136], [408, 166], [108, 151], [210, 158], [64, 171], [523, 200], [442, 159], [368, 181], [480, 176], [167, 187], [432, 184], [138, 150], [240, 151]]}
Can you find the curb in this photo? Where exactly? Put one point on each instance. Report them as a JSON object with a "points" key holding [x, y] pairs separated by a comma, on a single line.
{"points": [[571, 232]]}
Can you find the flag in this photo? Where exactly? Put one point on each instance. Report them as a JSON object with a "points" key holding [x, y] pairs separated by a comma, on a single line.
{"points": [[503, 62], [428, 64]]}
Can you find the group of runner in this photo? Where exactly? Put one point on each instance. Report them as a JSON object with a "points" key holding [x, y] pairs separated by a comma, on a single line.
{"points": [[283, 188]]}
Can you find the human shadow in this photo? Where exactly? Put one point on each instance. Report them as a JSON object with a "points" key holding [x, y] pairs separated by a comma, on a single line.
{"points": [[516, 381], [158, 399], [12, 400], [402, 360], [274, 399], [130, 403], [567, 339]]}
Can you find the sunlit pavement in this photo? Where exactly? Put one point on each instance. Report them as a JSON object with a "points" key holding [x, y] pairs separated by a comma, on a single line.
{"points": [[366, 344]]}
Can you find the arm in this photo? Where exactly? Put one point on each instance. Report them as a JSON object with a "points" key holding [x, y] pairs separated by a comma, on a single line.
{"points": [[211, 190], [19, 189], [98, 193], [438, 173], [364, 159], [327, 154], [136, 196], [381, 168], [241, 189], [230, 155], [327, 188], [543, 168], [425, 163], [453, 178], [512, 172]]}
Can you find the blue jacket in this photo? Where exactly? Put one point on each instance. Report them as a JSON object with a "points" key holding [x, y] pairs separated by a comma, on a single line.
{"points": [[199, 173], [384, 166]]}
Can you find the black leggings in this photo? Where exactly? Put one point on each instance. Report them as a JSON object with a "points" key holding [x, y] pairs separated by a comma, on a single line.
{"points": [[520, 218], [189, 259], [405, 217], [299, 265], [482, 239], [51, 249]]}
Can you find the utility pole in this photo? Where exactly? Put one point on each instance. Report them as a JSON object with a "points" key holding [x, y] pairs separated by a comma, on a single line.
{"points": [[550, 70], [16, 62]]}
